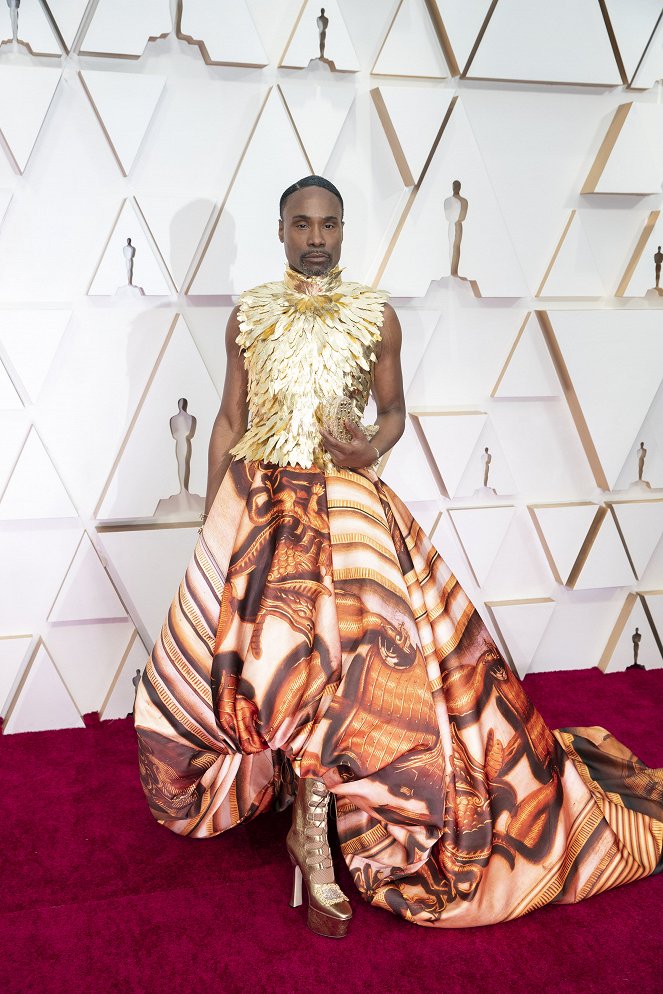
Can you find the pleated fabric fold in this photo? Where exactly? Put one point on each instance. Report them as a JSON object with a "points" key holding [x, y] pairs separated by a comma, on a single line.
{"points": [[318, 632]]}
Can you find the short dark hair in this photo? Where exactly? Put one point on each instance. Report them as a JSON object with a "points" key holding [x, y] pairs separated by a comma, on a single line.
{"points": [[305, 182]]}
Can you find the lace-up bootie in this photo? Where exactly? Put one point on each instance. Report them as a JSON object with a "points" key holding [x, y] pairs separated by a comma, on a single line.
{"points": [[329, 910]]}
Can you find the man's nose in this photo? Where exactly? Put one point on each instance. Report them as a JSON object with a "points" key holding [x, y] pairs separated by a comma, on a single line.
{"points": [[316, 235]]}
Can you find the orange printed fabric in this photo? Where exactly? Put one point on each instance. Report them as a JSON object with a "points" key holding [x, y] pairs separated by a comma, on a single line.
{"points": [[318, 632]]}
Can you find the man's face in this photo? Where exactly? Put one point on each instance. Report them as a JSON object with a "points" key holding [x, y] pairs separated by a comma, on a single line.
{"points": [[312, 230]]}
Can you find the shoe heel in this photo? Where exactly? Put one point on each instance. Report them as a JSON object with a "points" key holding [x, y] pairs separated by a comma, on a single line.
{"points": [[296, 898]]}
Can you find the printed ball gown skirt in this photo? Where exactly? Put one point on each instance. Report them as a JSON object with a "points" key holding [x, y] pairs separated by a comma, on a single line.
{"points": [[317, 630]]}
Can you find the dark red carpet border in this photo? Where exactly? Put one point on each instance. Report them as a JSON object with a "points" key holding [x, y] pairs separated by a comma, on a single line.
{"points": [[97, 897]]}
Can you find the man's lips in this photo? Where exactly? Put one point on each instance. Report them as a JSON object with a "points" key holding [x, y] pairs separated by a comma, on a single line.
{"points": [[316, 255]]}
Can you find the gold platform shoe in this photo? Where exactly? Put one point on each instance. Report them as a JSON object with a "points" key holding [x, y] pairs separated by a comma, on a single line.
{"points": [[329, 910]]}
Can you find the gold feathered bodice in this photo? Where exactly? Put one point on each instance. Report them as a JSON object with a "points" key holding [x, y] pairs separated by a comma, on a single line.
{"points": [[306, 339]]}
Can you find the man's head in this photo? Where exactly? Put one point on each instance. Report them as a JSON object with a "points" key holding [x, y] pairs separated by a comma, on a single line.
{"points": [[311, 225]]}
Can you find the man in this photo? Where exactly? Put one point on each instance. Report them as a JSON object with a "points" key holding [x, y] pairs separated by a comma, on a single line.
{"points": [[341, 339], [319, 646], [311, 230]]}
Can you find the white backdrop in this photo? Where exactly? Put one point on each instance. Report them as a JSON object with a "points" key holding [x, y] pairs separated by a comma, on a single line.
{"points": [[178, 125]]}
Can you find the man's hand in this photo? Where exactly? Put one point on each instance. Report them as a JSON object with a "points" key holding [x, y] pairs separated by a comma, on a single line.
{"points": [[354, 454], [387, 389]]}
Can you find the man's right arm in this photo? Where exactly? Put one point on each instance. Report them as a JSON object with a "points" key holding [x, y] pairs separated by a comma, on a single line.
{"points": [[232, 419]]}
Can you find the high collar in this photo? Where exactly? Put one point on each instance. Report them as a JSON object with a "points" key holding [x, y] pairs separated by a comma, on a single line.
{"points": [[312, 286]]}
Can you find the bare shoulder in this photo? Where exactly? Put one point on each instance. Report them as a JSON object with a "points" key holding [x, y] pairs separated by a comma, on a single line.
{"points": [[391, 321], [391, 331], [232, 329]]}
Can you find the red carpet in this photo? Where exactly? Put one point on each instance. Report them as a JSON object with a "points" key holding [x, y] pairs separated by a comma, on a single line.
{"points": [[97, 897]]}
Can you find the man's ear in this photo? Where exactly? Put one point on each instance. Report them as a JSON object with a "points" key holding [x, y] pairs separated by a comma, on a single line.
{"points": [[280, 229]]}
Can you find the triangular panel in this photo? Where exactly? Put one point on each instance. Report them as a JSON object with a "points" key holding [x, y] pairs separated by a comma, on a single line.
{"points": [[147, 469], [452, 439], [652, 470], [576, 633], [528, 371], [319, 113], [124, 104], [500, 476], [619, 652], [630, 157], [34, 489], [639, 278], [464, 356], [606, 564], [408, 470], [421, 246], [177, 225], [25, 97], [481, 531], [224, 31], [111, 273], [633, 24], [641, 524], [411, 47], [123, 27], [562, 529], [13, 649], [150, 563], [103, 366], [536, 41], [411, 118], [68, 15], [650, 68], [207, 326], [31, 339], [28, 592], [304, 42], [615, 363], [522, 624], [463, 20], [418, 328], [34, 30], [43, 700], [197, 139], [572, 271], [87, 593], [87, 657]]}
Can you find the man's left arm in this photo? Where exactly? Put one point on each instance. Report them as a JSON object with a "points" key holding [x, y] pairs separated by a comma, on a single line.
{"points": [[388, 393]]}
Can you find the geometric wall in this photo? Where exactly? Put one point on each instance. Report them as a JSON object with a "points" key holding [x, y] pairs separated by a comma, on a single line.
{"points": [[177, 125]]}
